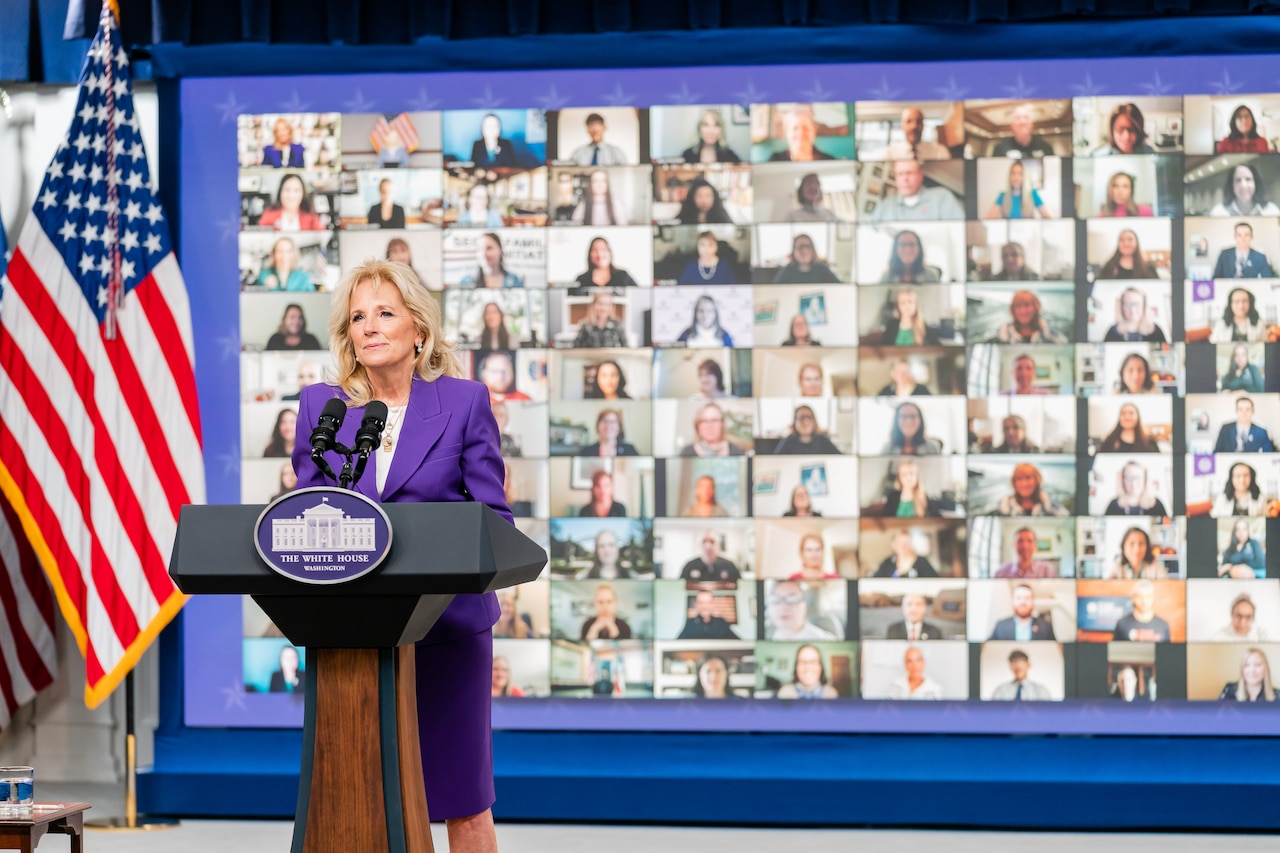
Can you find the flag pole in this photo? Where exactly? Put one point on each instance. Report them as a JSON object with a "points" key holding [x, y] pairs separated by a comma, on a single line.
{"points": [[132, 821]]}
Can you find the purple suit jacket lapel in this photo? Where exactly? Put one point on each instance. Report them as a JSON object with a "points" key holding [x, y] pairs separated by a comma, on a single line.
{"points": [[424, 422]]}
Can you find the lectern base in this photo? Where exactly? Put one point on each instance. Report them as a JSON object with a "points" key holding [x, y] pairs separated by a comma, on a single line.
{"points": [[361, 785]]}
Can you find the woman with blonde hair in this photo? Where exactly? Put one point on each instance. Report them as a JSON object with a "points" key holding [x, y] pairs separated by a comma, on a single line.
{"points": [[1029, 496], [1255, 684], [907, 498], [1120, 198], [440, 443], [1018, 200], [1026, 324]]}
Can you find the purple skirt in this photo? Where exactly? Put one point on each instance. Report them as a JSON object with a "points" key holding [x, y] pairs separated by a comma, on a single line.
{"points": [[455, 680]]}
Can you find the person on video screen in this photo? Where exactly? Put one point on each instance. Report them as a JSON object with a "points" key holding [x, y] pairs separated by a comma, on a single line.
{"points": [[1023, 626], [1241, 321], [809, 199], [1133, 319], [289, 677], [804, 267], [1021, 688], [808, 677], [913, 201], [1134, 495], [1013, 265], [902, 383], [713, 678], [704, 624], [600, 269], [787, 614], [1137, 559], [905, 561], [292, 209], [1029, 496], [283, 152], [1141, 624], [1242, 261], [386, 213], [602, 504], [292, 333], [1026, 324], [1018, 199], [1244, 558], [283, 273], [710, 565], [600, 329], [609, 436], [502, 685], [913, 683], [800, 335], [1242, 435], [491, 265], [1241, 494], [606, 624], [710, 147], [801, 504], [1254, 684], [1120, 201], [1243, 627], [1023, 143], [1013, 431], [605, 560], [597, 152], [805, 438], [478, 213], [1127, 132], [799, 130], [1244, 194], [1025, 564], [913, 625], [702, 205], [492, 150]]}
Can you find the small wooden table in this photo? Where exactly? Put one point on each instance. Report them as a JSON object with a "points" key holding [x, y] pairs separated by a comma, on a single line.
{"points": [[58, 818]]}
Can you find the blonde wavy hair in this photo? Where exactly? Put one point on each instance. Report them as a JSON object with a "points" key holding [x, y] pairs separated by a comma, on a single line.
{"points": [[436, 358]]}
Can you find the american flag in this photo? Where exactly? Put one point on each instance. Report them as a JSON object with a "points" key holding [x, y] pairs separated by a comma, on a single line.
{"points": [[99, 426], [402, 125], [28, 654]]}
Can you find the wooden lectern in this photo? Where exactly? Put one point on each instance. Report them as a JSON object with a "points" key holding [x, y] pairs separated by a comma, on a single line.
{"points": [[361, 785]]}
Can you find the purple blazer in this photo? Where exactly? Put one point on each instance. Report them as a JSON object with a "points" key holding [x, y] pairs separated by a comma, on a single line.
{"points": [[447, 451]]}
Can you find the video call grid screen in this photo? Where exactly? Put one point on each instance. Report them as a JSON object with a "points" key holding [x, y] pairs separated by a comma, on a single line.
{"points": [[871, 400]]}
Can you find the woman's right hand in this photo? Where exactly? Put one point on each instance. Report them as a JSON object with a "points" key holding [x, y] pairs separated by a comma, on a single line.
{"points": [[602, 628]]}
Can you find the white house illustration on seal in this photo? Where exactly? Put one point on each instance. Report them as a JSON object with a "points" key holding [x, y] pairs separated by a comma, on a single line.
{"points": [[322, 526]]}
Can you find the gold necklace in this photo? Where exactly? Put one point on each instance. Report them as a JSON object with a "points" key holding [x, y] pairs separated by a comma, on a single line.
{"points": [[388, 432]]}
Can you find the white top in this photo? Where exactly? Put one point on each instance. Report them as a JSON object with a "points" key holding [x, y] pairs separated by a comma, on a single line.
{"points": [[395, 420], [928, 689]]}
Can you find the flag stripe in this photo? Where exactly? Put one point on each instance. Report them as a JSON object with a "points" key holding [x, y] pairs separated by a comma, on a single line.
{"points": [[175, 347], [7, 689], [34, 600], [95, 496], [76, 511]]}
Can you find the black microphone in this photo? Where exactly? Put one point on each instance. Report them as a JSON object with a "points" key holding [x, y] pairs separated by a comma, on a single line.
{"points": [[369, 434], [325, 434]]}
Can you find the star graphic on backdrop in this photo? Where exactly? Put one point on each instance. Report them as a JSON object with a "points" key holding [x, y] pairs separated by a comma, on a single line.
{"points": [[818, 92], [423, 102], [1225, 86], [884, 92], [230, 463], [1088, 88], [228, 229], [1020, 89], [951, 92], [552, 99], [684, 96], [750, 95], [359, 103], [234, 696], [231, 108], [1156, 86], [230, 344], [617, 98], [488, 100], [295, 104]]}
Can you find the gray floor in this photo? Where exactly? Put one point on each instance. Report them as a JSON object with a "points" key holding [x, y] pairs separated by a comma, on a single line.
{"points": [[203, 836]]}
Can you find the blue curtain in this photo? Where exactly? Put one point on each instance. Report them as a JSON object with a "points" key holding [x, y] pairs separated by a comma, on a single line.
{"points": [[540, 33]]}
